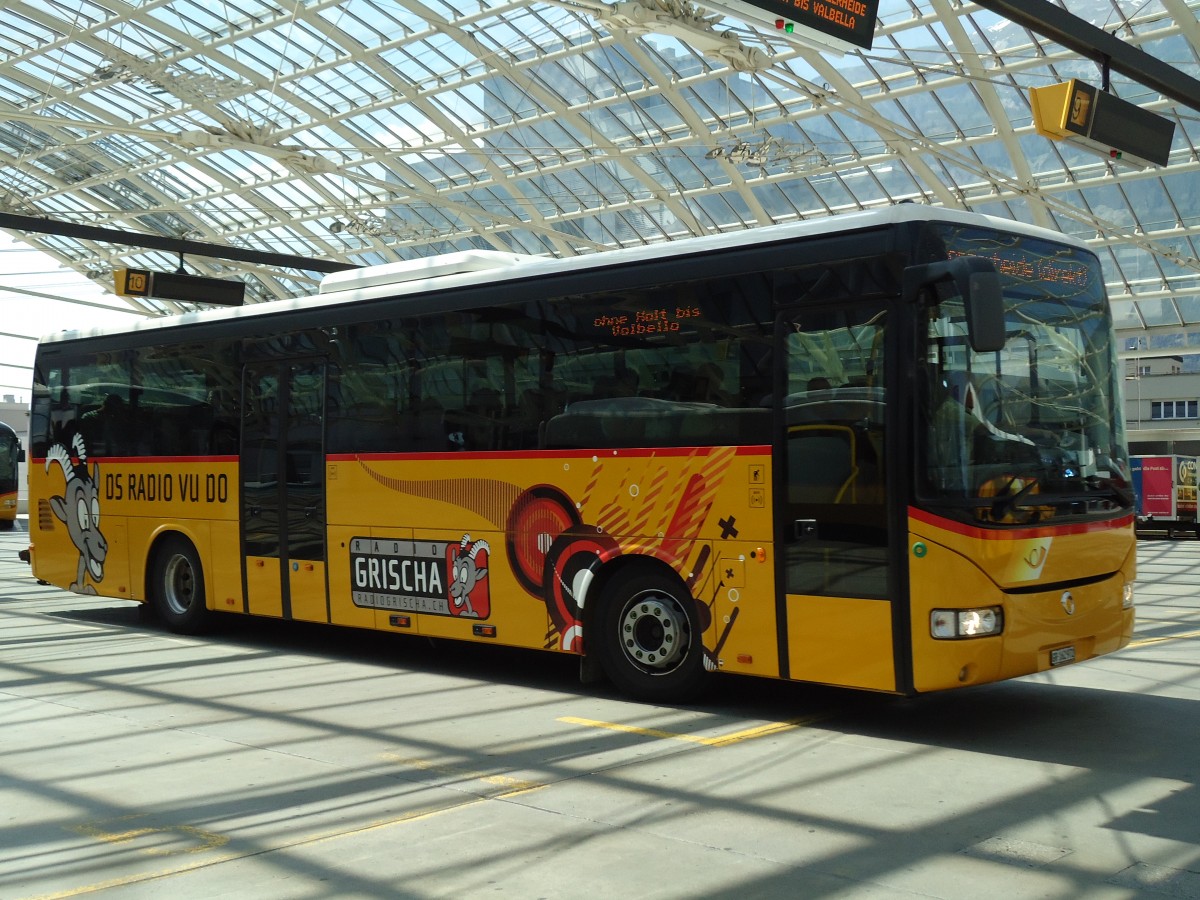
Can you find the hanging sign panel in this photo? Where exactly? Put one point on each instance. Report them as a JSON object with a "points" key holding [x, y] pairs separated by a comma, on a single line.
{"points": [[1102, 122], [178, 286], [838, 24]]}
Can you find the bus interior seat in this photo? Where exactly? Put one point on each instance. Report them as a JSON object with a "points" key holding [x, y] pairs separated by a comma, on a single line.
{"points": [[480, 422], [705, 425], [427, 427], [822, 464], [535, 407], [839, 404], [568, 431], [611, 422], [650, 422], [539, 404]]}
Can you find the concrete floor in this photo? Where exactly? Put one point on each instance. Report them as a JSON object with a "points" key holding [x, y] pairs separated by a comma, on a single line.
{"points": [[288, 761]]}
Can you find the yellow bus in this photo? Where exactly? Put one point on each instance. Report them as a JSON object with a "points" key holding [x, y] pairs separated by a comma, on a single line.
{"points": [[11, 455], [882, 450]]}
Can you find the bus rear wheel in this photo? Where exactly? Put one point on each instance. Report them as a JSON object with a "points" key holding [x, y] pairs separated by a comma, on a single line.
{"points": [[178, 587], [650, 643]]}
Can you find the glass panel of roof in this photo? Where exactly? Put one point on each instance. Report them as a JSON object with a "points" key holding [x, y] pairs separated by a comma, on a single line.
{"points": [[1189, 308], [374, 22], [517, 111], [19, 32], [1125, 315], [1158, 312]]}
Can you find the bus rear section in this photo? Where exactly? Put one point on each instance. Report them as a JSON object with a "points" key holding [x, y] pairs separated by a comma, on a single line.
{"points": [[12, 454]]}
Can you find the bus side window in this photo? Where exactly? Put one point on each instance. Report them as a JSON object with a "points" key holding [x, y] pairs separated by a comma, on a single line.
{"points": [[222, 422], [426, 425], [537, 407], [108, 427], [485, 410]]}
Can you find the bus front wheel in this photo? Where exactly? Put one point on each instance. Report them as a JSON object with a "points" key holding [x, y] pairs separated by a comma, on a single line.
{"points": [[178, 587], [650, 637]]}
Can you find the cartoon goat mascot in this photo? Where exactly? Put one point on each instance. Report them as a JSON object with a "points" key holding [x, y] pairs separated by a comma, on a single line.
{"points": [[79, 509], [468, 571]]}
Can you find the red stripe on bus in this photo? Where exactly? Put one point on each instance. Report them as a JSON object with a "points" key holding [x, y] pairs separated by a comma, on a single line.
{"points": [[1011, 534], [125, 460], [748, 450]]}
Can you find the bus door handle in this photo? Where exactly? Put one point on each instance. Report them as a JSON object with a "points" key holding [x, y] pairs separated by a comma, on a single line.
{"points": [[255, 511], [805, 529]]}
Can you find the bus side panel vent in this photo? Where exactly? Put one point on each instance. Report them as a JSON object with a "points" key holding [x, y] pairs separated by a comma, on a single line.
{"points": [[45, 515]]}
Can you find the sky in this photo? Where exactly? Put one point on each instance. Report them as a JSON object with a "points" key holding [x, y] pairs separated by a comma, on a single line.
{"points": [[30, 282]]}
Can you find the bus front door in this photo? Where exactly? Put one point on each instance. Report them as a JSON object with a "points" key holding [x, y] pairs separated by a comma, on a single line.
{"points": [[283, 489], [833, 506]]}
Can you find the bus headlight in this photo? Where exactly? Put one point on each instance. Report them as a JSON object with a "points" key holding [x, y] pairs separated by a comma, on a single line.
{"points": [[950, 624], [1127, 596]]}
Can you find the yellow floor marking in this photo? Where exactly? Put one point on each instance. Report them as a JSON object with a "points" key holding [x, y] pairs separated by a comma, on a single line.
{"points": [[143, 876], [516, 785], [205, 840], [319, 837], [209, 841], [1145, 642], [718, 741]]}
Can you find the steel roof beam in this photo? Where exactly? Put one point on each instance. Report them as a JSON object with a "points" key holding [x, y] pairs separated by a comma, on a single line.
{"points": [[1053, 22], [13, 222]]}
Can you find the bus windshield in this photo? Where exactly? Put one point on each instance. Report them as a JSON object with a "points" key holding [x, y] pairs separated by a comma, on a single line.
{"points": [[10, 452], [1034, 431]]}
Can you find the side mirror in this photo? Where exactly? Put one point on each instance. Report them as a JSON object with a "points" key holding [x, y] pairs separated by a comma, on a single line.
{"points": [[978, 283]]}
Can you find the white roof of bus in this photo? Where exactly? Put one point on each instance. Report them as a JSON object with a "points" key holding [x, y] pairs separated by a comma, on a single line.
{"points": [[476, 267]]}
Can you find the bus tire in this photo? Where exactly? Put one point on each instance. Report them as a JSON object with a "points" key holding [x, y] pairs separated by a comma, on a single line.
{"points": [[177, 590], [650, 637]]}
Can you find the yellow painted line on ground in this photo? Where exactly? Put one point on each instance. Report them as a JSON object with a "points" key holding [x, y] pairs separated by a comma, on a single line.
{"points": [[248, 854], [768, 729], [140, 877], [718, 741], [204, 840], [208, 841], [1146, 642], [515, 785], [219, 858]]}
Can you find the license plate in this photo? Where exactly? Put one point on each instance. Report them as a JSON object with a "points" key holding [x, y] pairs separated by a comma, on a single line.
{"points": [[1062, 656]]}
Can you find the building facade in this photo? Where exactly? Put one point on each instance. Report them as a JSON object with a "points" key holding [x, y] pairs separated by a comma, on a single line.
{"points": [[1162, 406]]}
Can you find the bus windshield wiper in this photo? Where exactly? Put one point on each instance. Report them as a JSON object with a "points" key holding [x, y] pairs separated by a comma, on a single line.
{"points": [[1006, 503], [1091, 494], [1108, 487]]}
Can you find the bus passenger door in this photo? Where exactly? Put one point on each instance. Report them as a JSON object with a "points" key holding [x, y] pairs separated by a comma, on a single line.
{"points": [[833, 498], [283, 489]]}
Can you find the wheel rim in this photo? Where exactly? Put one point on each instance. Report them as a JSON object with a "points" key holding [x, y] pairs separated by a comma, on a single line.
{"points": [[654, 633], [179, 584]]}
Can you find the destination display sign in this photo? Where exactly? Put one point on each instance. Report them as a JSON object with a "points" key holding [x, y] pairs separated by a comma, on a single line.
{"points": [[848, 23]]}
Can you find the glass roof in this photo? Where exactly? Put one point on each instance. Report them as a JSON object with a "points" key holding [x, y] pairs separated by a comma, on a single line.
{"points": [[369, 131]]}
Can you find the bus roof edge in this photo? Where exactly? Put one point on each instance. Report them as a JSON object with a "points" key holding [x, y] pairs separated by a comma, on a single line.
{"points": [[421, 269]]}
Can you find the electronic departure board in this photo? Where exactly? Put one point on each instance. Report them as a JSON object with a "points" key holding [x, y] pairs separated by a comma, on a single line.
{"points": [[1102, 122], [838, 24], [178, 286]]}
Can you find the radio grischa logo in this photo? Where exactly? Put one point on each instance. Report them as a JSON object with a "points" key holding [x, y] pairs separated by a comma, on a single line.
{"points": [[437, 577]]}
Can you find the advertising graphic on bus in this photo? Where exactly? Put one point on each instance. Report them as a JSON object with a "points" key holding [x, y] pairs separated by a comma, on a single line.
{"points": [[884, 451]]}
